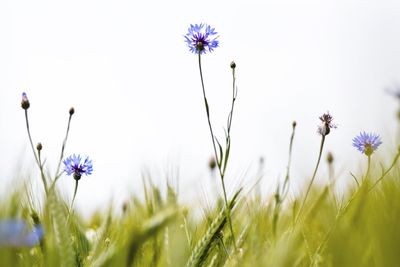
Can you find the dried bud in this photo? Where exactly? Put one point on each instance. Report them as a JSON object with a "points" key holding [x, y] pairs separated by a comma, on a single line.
{"points": [[327, 124], [71, 111], [329, 158], [233, 65], [212, 164], [39, 146], [25, 102], [294, 124]]}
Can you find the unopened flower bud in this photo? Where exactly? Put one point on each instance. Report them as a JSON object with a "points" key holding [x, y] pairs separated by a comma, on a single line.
{"points": [[212, 164], [329, 158], [233, 64], [25, 102], [39, 146], [124, 206], [294, 123], [71, 111]]}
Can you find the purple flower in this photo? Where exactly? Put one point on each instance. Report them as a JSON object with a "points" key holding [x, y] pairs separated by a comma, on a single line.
{"points": [[200, 38], [74, 165], [327, 124], [15, 233], [367, 143]]}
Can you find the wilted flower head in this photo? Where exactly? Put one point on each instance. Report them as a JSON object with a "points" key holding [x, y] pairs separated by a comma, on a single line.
{"points": [[327, 124], [367, 143], [74, 165], [200, 38], [15, 233], [25, 102]]}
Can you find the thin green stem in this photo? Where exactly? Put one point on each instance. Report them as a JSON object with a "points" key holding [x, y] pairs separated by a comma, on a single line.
{"points": [[221, 173], [387, 171], [285, 188], [37, 156], [42, 173], [30, 138], [207, 111], [57, 175], [312, 179], [368, 167], [73, 198]]}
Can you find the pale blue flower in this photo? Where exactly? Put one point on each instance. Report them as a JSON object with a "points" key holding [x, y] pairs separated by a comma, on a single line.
{"points": [[16, 233], [367, 143]]}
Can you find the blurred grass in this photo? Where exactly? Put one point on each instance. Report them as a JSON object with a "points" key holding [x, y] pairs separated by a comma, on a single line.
{"points": [[359, 228]]}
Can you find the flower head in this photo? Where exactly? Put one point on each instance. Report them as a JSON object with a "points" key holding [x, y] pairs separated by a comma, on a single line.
{"points": [[25, 102], [200, 38], [367, 143], [327, 124], [74, 165], [15, 233]]}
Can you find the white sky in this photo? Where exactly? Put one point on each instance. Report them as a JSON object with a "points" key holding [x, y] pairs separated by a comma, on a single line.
{"points": [[125, 68]]}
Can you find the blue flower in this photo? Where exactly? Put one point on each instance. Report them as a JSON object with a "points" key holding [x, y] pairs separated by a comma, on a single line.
{"points": [[367, 143], [74, 165], [200, 38], [15, 233]]}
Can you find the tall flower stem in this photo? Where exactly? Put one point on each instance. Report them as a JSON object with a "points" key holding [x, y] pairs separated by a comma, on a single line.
{"points": [[37, 157], [312, 179], [396, 158], [42, 173], [368, 167], [73, 198], [281, 194], [219, 162], [58, 174], [30, 138]]}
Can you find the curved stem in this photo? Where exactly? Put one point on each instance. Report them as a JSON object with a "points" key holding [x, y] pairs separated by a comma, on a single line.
{"points": [[368, 167], [228, 213], [387, 171], [207, 110], [30, 138], [57, 175], [73, 198], [312, 179], [42, 173], [37, 156], [285, 187]]}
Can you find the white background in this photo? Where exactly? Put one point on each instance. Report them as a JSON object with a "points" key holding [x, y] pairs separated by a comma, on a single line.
{"points": [[136, 90]]}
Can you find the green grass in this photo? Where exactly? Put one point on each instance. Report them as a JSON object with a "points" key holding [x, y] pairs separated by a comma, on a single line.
{"points": [[359, 228]]}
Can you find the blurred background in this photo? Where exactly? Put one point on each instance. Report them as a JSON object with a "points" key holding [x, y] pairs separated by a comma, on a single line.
{"points": [[135, 87]]}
